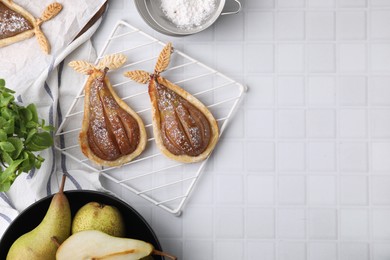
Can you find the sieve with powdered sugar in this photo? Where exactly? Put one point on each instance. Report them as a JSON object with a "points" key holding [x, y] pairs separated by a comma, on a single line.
{"points": [[182, 17]]}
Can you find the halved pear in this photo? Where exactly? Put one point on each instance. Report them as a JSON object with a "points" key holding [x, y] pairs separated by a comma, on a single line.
{"points": [[93, 244]]}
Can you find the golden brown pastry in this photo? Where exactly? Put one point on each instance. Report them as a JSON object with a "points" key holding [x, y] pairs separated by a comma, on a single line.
{"points": [[112, 134], [17, 24], [184, 129]]}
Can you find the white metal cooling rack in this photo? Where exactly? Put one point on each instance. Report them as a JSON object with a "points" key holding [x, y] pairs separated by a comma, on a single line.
{"points": [[152, 176]]}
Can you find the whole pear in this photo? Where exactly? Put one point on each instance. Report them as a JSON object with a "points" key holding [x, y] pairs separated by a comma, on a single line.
{"points": [[41, 243], [94, 244], [98, 216]]}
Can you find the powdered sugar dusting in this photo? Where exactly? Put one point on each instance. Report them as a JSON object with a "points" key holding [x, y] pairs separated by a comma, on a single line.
{"points": [[12, 23], [186, 14]]}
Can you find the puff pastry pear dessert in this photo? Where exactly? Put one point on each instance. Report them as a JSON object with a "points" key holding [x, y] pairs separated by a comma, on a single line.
{"points": [[184, 129], [112, 134], [17, 24]]}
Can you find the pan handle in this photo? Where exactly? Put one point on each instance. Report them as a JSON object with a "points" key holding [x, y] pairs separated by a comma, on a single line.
{"points": [[234, 12]]}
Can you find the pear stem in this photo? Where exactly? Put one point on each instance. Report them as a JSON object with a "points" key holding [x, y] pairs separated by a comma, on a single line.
{"points": [[157, 252], [62, 186]]}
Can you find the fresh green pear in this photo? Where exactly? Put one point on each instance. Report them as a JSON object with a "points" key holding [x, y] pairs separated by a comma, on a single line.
{"points": [[41, 243], [98, 216], [96, 245]]}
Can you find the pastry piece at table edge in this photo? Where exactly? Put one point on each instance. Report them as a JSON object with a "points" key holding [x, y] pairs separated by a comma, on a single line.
{"points": [[112, 134], [32, 26], [191, 122]]}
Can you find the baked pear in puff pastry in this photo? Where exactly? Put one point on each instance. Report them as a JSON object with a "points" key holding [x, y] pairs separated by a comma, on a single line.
{"points": [[17, 24], [183, 127], [112, 134]]}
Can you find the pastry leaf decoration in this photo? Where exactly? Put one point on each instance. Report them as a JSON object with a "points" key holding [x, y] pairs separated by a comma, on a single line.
{"points": [[113, 61], [139, 76], [82, 67], [163, 59], [42, 40], [51, 11]]}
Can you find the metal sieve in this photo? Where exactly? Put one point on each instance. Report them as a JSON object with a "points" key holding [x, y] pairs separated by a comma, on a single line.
{"points": [[151, 12]]}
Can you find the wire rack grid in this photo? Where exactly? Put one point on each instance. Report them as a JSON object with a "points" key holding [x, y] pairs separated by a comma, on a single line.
{"points": [[152, 176]]}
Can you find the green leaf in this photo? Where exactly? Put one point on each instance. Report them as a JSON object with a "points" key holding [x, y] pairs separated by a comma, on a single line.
{"points": [[9, 126], [30, 135], [7, 158], [27, 114], [2, 83], [3, 135], [34, 113], [40, 141], [7, 146], [18, 145], [32, 124]]}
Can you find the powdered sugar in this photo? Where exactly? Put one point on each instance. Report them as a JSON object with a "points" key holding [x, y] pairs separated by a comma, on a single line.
{"points": [[187, 14], [12, 23]]}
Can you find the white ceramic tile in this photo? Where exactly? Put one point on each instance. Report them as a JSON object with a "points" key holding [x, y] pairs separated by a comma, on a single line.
{"points": [[229, 222], [380, 19], [321, 190], [259, 58], [232, 151], [353, 190], [260, 4], [380, 156], [291, 190], [352, 123], [321, 57], [321, 3], [260, 156], [229, 189], [351, 25], [352, 57], [198, 249], [321, 156], [354, 251], [291, 156], [232, 63], [380, 193], [290, 57], [203, 216], [254, 249], [291, 223], [291, 90], [354, 224], [380, 228], [352, 3], [290, 25], [379, 91], [352, 90], [230, 29], [292, 251], [223, 249], [380, 123], [260, 223], [260, 190], [322, 251], [320, 25], [261, 123], [291, 123], [290, 3], [261, 91], [380, 54], [380, 3], [321, 90], [322, 224], [321, 123], [380, 251], [166, 226], [259, 26], [353, 157]]}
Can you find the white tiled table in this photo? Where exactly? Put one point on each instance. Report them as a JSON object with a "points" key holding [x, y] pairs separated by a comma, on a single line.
{"points": [[303, 170]]}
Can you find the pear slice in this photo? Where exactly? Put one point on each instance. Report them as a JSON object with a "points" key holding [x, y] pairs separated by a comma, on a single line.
{"points": [[94, 244], [41, 242], [17, 24], [112, 134], [184, 129]]}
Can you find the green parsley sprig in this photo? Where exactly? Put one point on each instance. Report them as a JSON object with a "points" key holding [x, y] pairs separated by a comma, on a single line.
{"points": [[22, 134]]}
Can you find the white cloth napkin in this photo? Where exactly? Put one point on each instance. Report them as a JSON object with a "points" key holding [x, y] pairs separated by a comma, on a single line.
{"points": [[47, 81]]}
